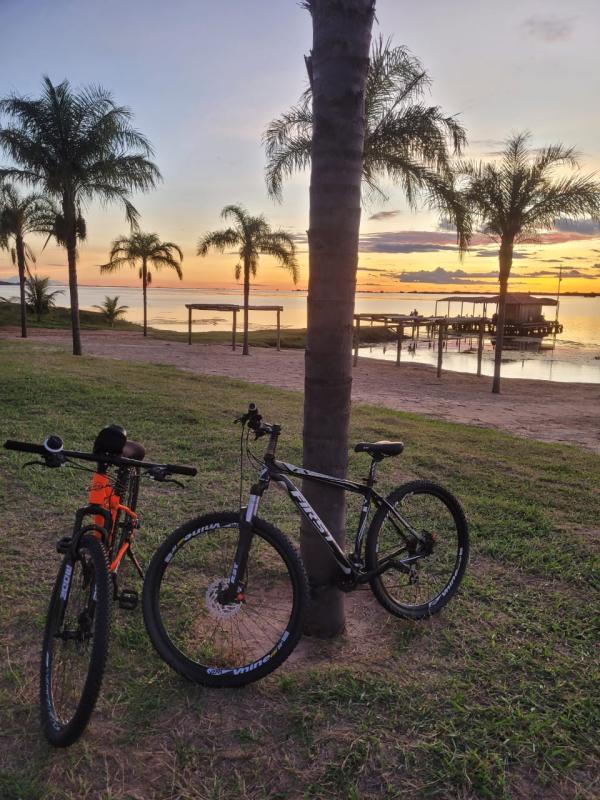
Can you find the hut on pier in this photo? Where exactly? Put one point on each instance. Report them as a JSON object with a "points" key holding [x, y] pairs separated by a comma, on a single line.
{"points": [[524, 312]]}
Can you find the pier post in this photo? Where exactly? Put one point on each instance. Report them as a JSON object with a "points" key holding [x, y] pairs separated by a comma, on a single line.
{"points": [[440, 349], [189, 325], [356, 340], [400, 335], [278, 330], [480, 345], [233, 329]]}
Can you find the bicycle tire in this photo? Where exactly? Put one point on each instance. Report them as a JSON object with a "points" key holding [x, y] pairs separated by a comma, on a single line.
{"points": [[187, 646], [87, 645], [449, 556]]}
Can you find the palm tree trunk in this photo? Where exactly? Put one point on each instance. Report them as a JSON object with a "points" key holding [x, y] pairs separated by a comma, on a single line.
{"points": [[245, 348], [20, 248], [145, 291], [338, 69], [71, 244], [506, 254]]}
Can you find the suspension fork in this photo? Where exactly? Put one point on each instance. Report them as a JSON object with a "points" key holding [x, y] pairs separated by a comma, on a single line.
{"points": [[240, 560], [247, 514]]}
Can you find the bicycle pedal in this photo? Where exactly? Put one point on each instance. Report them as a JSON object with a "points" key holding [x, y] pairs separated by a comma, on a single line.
{"points": [[64, 545], [128, 599]]}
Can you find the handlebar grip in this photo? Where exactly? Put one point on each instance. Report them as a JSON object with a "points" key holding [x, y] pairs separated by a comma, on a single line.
{"points": [[53, 444], [25, 447], [178, 470]]}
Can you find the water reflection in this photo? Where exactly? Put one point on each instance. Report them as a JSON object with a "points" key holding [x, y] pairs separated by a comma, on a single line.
{"points": [[521, 360]]}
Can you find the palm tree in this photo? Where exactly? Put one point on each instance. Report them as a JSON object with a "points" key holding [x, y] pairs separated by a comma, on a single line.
{"points": [[111, 310], [338, 75], [39, 299], [76, 146], [253, 237], [518, 197], [148, 249], [19, 217], [406, 141]]}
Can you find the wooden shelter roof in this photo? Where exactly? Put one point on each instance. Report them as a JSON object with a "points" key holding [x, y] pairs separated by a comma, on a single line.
{"points": [[229, 307], [512, 298]]}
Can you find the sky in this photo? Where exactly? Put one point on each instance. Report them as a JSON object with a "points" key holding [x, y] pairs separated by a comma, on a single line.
{"points": [[204, 79]]}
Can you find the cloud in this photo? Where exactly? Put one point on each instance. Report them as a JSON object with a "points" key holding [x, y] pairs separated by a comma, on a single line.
{"points": [[380, 215], [445, 276], [587, 227], [407, 242], [494, 254], [548, 28], [445, 239], [488, 147], [554, 273], [446, 225]]}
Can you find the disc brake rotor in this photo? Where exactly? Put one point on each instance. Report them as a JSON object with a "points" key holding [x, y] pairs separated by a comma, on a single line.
{"points": [[215, 607]]}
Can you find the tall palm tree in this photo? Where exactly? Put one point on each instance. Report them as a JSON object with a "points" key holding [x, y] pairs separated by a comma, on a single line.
{"points": [[144, 249], [518, 197], [338, 75], [406, 141], [19, 217], [111, 310], [253, 237], [76, 146]]}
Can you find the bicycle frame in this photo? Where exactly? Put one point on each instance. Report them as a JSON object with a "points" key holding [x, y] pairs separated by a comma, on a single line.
{"points": [[105, 507], [351, 566]]}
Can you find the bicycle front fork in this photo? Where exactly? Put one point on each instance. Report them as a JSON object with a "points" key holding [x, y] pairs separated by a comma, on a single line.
{"points": [[235, 587]]}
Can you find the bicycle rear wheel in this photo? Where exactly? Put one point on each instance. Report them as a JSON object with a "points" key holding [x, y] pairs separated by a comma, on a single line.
{"points": [[219, 643], [75, 643], [425, 585]]}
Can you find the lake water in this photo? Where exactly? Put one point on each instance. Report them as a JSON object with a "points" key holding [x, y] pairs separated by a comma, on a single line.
{"points": [[575, 357]]}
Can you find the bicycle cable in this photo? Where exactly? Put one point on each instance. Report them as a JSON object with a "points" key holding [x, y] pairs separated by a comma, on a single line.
{"points": [[242, 461]]}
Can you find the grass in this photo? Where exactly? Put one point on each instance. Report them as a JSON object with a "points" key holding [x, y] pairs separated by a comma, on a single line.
{"points": [[496, 697]]}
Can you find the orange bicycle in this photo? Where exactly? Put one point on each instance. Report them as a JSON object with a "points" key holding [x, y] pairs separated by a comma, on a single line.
{"points": [[77, 629]]}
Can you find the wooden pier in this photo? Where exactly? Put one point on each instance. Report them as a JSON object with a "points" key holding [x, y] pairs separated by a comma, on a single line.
{"points": [[524, 321]]}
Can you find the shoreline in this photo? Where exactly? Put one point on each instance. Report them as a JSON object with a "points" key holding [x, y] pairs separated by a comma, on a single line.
{"points": [[566, 413]]}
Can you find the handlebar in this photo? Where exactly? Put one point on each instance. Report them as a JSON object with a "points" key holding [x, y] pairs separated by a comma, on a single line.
{"points": [[52, 451], [255, 422]]}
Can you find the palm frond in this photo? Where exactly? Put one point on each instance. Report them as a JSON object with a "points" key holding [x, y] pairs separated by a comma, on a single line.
{"points": [[399, 129], [218, 240]]}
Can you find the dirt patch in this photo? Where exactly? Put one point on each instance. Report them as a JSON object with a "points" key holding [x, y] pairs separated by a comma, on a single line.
{"points": [[554, 412]]}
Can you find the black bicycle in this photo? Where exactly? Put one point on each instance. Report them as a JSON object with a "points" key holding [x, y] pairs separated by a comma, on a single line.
{"points": [[77, 628], [224, 595]]}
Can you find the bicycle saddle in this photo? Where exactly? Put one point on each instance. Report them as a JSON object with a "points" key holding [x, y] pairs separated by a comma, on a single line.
{"points": [[380, 450], [134, 450]]}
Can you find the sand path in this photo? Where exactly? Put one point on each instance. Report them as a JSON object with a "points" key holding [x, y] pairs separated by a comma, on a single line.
{"points": [[556, 412]]}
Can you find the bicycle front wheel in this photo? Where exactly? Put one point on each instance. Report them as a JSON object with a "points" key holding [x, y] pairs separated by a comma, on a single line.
{"points": [[206, 639], [429, 526], [75, 643]]}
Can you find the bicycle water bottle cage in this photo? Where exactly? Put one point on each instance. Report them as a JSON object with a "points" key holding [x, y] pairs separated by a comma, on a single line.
{"points": [[110, 441]]}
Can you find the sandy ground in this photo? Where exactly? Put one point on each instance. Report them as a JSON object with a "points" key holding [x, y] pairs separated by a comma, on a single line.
{"points": [[556, 412]]}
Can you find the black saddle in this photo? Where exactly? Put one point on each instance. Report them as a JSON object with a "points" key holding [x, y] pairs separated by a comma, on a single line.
{"points": [[379, 450], [134, 450]]}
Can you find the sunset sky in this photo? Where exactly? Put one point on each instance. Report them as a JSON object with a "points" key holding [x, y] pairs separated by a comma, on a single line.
{"points": [[204, 79]]}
